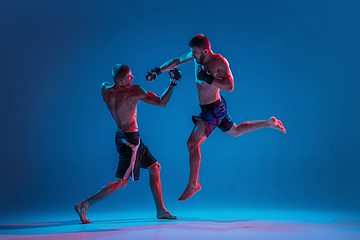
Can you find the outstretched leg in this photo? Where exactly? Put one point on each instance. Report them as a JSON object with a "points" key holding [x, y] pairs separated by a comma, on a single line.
{"points": [[102, 193], [196, 138], [155, 185], [250, 126]]}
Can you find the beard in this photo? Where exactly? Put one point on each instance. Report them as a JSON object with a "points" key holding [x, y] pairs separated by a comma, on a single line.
{"points": [[201, 59]]}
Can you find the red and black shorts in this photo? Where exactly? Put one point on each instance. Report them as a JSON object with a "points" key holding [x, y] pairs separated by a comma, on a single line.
{"points": [[215, 115]]}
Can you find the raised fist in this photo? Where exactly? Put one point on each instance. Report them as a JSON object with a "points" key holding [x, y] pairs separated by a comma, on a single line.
{"points": [[203, 75], [175, 76], [152, 74]]}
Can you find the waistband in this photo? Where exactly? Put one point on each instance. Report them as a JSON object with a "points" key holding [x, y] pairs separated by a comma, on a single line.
{"points": [[212, 105], [127, 134]]}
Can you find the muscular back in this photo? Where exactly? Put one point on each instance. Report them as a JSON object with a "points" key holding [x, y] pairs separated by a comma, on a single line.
{"points": [[122, 103]]}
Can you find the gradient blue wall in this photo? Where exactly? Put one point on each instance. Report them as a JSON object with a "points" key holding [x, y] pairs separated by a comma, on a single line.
{"points": [[296, 60]]}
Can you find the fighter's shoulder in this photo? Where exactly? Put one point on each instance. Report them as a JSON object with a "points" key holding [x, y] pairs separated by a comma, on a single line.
{"points": [[138, 90], [221, 61], [105, 86], [135, 87]]}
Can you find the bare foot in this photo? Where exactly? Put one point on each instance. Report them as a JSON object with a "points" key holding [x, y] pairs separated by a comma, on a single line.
{"points": [[81, 210], [276, 124], [189, 192], [165, 215]]}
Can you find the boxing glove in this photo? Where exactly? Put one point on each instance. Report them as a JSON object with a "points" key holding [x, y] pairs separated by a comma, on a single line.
{"points": [[175, 76], [203, 75], [152, 74]]}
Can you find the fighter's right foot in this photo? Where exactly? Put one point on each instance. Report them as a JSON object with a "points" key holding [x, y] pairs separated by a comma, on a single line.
{"points": [[81, 211], [189, 192], [277, 124], [165, 215]]}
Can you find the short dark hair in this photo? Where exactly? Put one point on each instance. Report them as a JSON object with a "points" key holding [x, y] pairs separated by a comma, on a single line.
{"points": [[200, 41], [119, 71]]}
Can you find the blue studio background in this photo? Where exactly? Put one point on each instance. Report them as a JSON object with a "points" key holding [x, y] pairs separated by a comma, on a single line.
{"points": [[295, 60]]}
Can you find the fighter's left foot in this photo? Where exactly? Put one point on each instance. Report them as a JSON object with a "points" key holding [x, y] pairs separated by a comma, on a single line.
{"points": [[165, 215], [81, 210], [189, 192], [277, 124]]}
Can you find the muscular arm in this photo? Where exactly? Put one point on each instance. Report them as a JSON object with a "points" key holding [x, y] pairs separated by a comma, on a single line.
{"points": [[153, 99], [104, 87], [175, 62], [223, 78]]}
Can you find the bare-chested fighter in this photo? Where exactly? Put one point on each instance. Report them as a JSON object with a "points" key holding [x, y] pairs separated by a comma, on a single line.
{"points": [[212, 74], [122, 100]]}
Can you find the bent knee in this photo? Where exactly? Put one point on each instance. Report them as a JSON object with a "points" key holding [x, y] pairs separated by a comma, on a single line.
{"points": [[155, 167], [121, 183], [233, 131], [192, 144]]}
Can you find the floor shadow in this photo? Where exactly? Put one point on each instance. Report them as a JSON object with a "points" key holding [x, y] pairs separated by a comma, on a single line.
{"points": [[145, 221]]}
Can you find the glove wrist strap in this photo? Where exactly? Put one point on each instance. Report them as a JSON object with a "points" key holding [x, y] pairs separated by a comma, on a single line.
{"points": [[210, 79], [174, 82], [157, 70]]}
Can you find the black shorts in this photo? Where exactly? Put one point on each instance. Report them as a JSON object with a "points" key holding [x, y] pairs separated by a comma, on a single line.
{"points": [[215, 115], [133, 153]]}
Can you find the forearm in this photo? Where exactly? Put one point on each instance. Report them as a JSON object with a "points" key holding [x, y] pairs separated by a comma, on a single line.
{"points": [[173, 63], [165, 97], [152, 75], [223, 84]]}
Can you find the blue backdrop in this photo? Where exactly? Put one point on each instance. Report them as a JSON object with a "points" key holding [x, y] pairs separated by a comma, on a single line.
{"points": [[295, 60]]}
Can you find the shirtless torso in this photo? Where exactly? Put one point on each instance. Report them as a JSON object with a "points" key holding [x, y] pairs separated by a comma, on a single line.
{"points": [[218, 67], [122, 103], [218, 76], [122, 99]]}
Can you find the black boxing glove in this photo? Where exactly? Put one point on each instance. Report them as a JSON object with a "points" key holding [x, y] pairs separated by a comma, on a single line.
{"points": [[203, 75], [175, 76], [152, 74]]}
